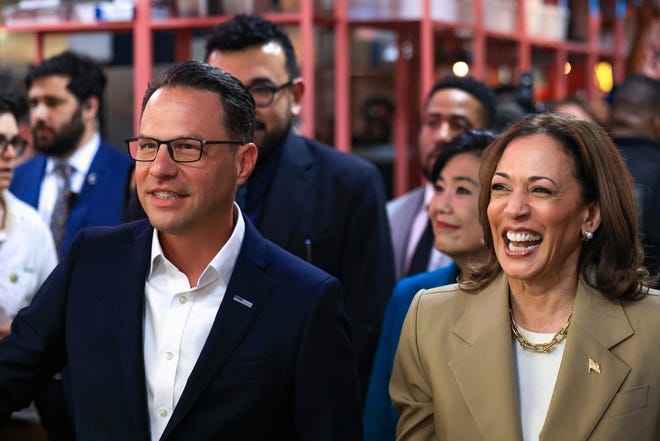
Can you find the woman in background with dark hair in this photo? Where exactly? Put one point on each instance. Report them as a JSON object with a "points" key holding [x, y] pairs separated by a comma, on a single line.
{"points": [[556, 336], [454, 215]]}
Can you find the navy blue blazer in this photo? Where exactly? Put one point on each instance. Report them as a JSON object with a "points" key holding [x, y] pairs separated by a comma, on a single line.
{"points": [[336, 202], [102, 199], [282, 369]]}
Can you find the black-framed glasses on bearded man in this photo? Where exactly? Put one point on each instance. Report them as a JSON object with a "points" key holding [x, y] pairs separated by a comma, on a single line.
{"points": [[264, 93], [145, 149]]}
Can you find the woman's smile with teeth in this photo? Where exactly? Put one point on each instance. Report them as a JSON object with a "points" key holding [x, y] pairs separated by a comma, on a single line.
{"points": [[519, 242]]}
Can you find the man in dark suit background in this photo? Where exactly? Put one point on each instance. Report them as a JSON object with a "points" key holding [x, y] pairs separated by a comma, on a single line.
{"points": [[189, 325], [322, 205]]}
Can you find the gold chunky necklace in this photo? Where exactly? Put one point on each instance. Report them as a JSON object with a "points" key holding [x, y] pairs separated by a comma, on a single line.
{"points": [[541, 348]]}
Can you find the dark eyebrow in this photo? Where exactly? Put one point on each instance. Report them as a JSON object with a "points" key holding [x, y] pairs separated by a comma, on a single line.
{"points": [[459, 179], [540, 178], [462, 118], [260, 81], [531, 178], [465, 178], [452, 117]]}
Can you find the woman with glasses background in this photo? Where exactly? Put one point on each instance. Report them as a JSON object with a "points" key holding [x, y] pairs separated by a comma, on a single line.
{"points": [[27, 255]]}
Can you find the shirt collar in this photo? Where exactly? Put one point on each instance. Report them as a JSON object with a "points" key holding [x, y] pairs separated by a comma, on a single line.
{"points": [[4, 218], [222, 265], [429, 191], [8, 212]]}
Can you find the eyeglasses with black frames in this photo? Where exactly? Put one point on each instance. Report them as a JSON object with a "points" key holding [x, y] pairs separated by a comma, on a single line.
{"points": [[264, 94], [17, 142], [144, 149]]}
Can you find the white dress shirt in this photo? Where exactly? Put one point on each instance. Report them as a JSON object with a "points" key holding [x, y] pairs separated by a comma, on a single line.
{"points": [[177, 322], [436, 259], [537, 375], [81, 160]]}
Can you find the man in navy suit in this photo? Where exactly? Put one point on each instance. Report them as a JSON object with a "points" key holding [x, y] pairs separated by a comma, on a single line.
{"points": [[189, 325], [322, 205], [65, 95]]}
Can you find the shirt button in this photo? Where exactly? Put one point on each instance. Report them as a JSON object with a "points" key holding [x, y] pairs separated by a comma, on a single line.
{"points": [[183, 299], [169, 355], [162, 412]]}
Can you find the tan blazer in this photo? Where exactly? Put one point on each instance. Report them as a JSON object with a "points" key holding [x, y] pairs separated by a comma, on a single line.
{"points": [[454, 374]]}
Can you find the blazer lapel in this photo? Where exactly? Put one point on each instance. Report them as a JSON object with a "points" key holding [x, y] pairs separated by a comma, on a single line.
{"points": [[486, 369], [401, 214], [292, 180], [598, 325], [78, 216], [129, 310], [233, 320]]}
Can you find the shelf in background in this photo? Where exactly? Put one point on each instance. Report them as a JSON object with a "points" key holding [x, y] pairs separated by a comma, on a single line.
{"points": [[69, 26]]}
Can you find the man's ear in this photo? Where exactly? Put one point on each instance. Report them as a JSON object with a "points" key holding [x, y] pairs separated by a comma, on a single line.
{"points": [[245, 161], [90, 108], [297, 91]]}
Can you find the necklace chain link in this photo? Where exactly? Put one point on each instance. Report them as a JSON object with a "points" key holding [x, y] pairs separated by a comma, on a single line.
{"points": [[541, 348]]}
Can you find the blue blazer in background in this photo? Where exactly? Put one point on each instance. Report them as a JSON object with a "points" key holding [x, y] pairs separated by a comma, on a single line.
{"points": [[280, 369], [102, 199], [380, 417]]}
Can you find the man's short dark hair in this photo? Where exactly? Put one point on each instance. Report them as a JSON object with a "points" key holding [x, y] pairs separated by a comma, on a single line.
{"points": [[248, 30], [237, 102], [646, 93], [86, 77], [477, 89]]}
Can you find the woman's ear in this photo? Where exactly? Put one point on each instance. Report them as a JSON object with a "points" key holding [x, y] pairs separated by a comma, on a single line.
{"points": [[592, 219]]}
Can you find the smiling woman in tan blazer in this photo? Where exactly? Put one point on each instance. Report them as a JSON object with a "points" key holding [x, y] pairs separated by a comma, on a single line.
{"points": [[556, 337]]}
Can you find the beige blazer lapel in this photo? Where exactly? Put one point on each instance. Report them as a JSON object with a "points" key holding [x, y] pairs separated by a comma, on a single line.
{"points": [[485, 373], [581, 395]]}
